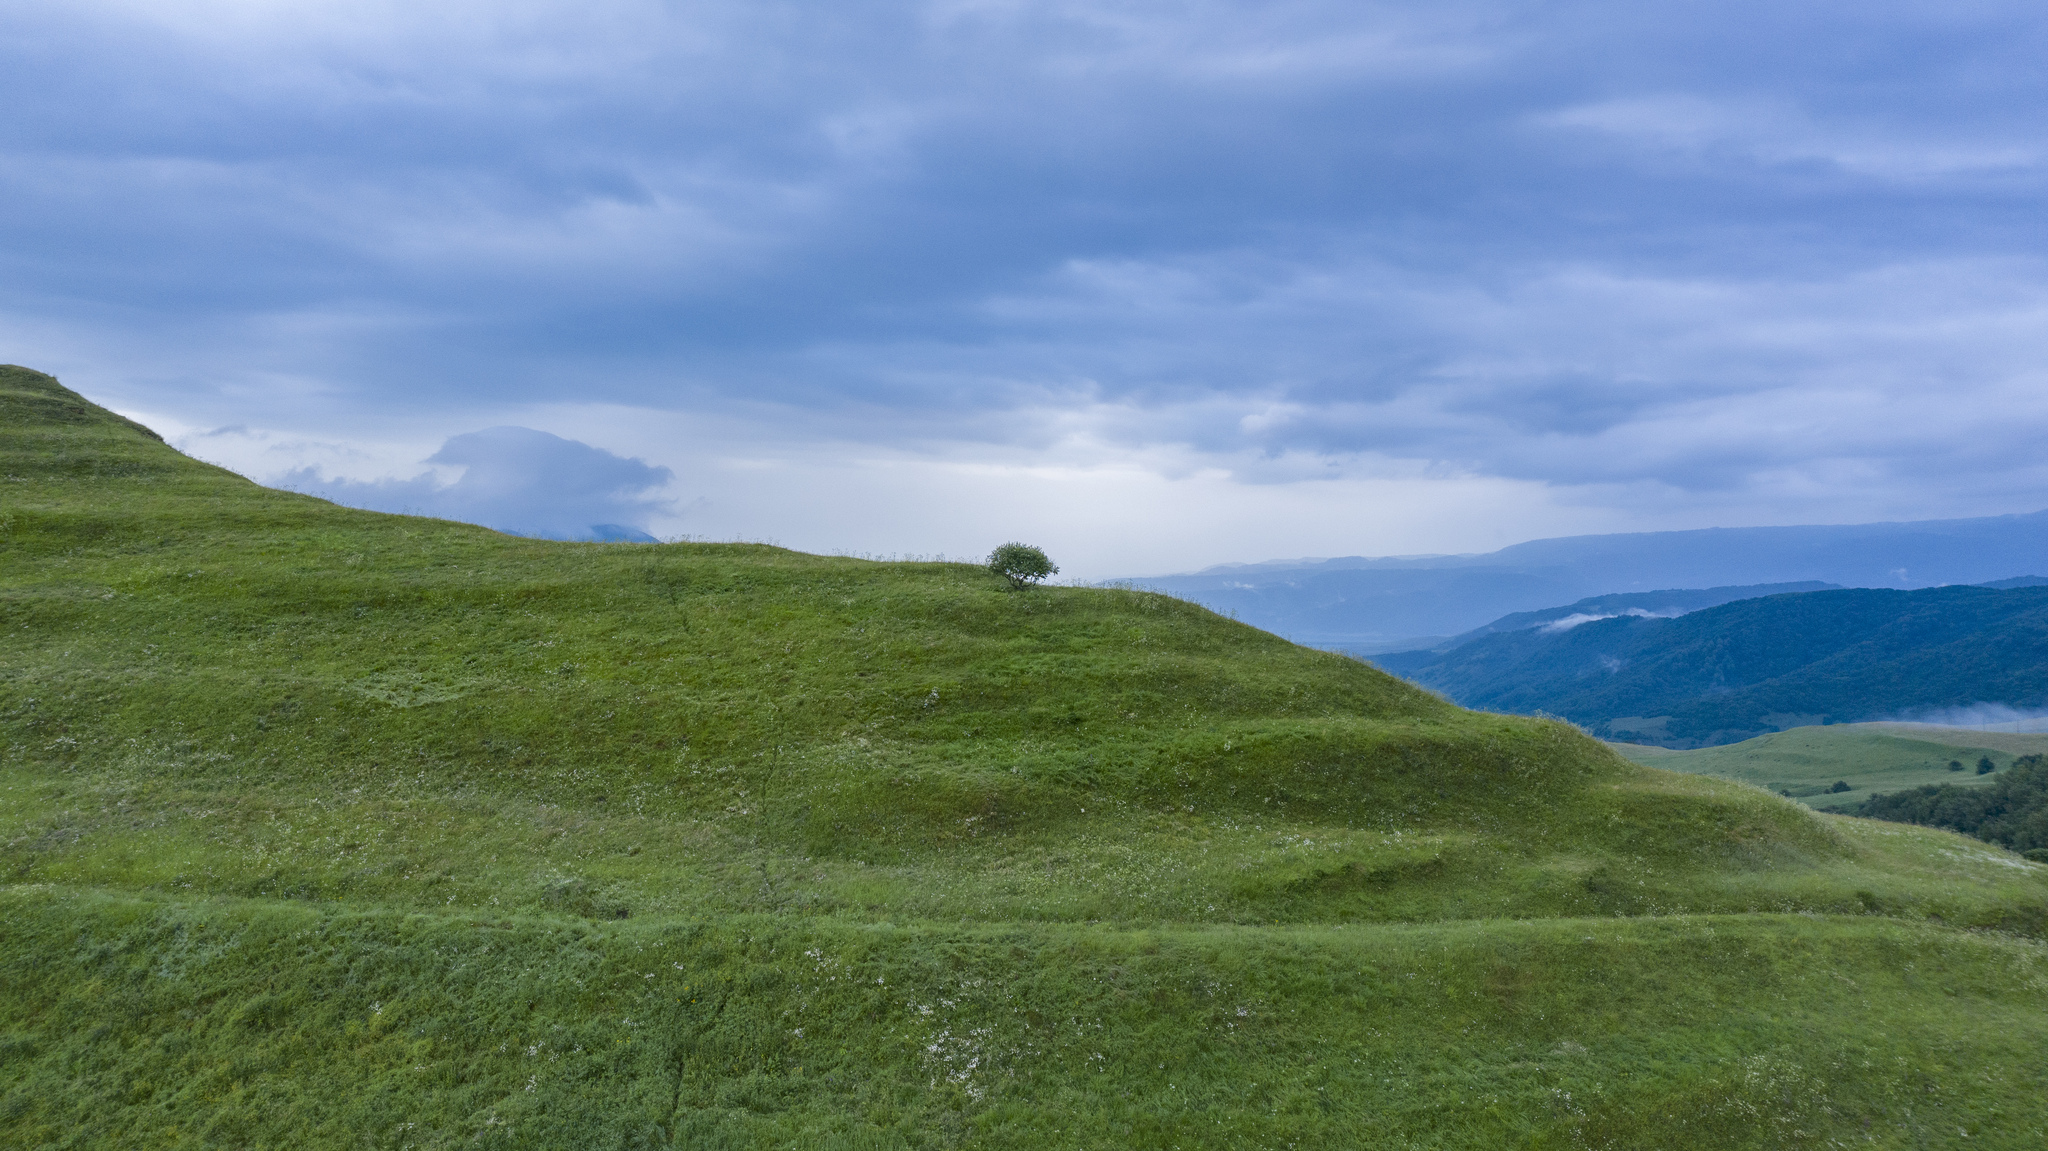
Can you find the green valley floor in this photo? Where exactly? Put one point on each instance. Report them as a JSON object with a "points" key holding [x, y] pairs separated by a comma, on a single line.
{"points": [[1806, 763]]}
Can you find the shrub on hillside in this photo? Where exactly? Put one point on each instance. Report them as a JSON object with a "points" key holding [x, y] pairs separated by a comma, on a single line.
{"points": [[1021, 564]]}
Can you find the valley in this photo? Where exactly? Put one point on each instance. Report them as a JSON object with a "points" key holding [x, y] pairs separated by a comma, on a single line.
{"points": [[1807, 762]]}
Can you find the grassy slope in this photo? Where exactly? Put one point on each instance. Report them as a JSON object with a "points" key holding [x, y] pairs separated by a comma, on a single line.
{"points": [[331, 828], [1870, 757]]}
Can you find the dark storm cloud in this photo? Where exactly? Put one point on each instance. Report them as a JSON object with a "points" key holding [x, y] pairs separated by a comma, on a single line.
{"points": [[516, 480], [1688, 245]]}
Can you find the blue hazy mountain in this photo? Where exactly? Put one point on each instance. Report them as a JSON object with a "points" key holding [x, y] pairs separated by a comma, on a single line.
{"points": [[1396, 602], [1665, 604], [1742, 669], [620, 534]]}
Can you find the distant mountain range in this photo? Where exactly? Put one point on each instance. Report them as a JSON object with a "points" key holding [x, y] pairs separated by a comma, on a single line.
{"points": [[1370, 605], [1664, 604], [1755, 665]]}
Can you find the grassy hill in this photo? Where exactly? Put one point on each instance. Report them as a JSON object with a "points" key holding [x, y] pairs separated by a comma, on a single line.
{"points": [[322, 828], [1727, 673], [1806, 762]]}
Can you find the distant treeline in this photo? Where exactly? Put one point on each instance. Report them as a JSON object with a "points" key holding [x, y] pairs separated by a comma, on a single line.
{"points": [[2011, 811]]}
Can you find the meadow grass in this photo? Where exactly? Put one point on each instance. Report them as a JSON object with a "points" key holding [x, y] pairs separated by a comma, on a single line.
{"points": [[261, 1022], [327, 828]]}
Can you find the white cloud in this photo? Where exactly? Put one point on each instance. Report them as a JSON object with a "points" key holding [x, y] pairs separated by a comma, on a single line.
{"points": [[516, 480], [1567, 623]]}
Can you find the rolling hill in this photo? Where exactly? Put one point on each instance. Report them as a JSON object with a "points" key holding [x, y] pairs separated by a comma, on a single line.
{"points": [[326, 828], [1728, 673]]}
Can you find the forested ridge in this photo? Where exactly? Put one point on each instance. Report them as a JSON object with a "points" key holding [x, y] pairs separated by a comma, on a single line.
{"points": [[1742, 669]]}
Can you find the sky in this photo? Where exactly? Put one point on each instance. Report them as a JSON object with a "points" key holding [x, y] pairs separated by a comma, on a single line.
{"points": [[1153, 285]]}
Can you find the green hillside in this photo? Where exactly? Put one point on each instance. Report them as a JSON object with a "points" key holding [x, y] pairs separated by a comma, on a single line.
{"points": [[1806, 762], [326, 828]]}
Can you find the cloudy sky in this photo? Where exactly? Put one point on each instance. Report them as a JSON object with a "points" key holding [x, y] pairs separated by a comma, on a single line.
{"points": [[1153, 284]]}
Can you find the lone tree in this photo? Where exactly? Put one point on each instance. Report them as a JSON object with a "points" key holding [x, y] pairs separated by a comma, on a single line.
{"points": [[1021, 564], [1985, 766]]}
